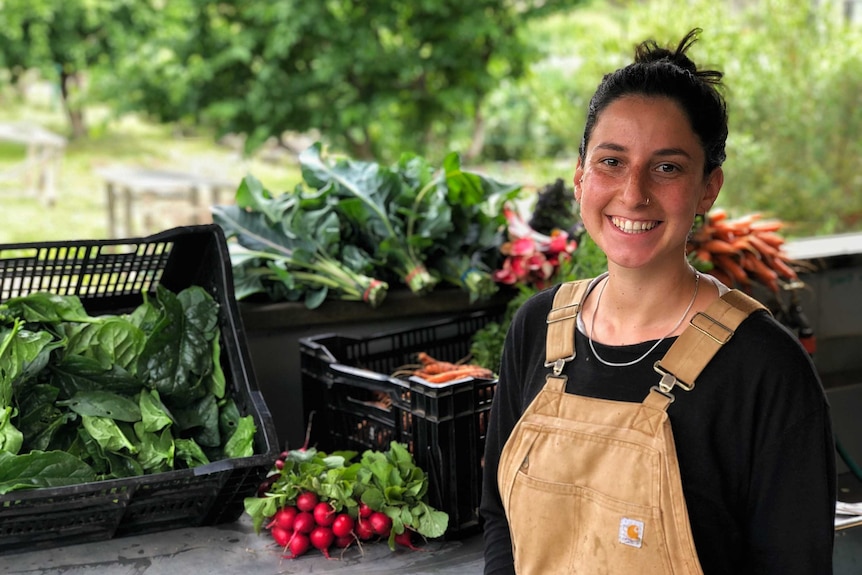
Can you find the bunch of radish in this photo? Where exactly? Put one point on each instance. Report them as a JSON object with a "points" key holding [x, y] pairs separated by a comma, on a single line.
{"points": [[314, 523], [311, 499]]}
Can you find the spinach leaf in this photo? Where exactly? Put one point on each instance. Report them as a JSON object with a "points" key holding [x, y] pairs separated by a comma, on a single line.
{"points": [[201, 419], [43, 307], [190, 452], [19, 350], [21, 355], [42, 469], [146, 315], [241, 443], [75, 373], [156, 449], [37, 414], [103, 404], [113, 342], [154, 414], [177, 353], [107, 434], [11, 439]]}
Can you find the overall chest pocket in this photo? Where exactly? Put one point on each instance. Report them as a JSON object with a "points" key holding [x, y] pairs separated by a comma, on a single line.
{"points": [[585, 503]]}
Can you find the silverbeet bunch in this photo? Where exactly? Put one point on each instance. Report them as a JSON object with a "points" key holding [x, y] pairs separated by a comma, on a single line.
{"points": [[352, 230]]}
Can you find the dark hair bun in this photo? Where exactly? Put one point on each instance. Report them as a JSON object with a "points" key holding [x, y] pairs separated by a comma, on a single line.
{"points": [[649, 52]]}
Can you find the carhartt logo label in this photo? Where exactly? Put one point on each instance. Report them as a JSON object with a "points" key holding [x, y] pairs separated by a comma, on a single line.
{"points": [[631, 532]]}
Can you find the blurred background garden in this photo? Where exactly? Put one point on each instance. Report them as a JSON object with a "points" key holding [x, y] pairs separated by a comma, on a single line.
{"points": [[221, 89]]}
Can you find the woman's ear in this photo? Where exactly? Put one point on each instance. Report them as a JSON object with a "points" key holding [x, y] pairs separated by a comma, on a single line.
{"points": [[714, 182], [578, 179]]}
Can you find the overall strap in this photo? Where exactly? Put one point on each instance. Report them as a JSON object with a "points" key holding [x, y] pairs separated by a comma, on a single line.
{"points": [[703, 337], [562, 322]]}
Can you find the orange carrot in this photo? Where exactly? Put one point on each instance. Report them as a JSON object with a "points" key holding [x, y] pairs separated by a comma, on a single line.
{"points": [[762, 246], [717, 246], [773, 239], [462, 372], [766, 226], [781, 267], [431, 365], [717, 215], [731, 268], [766, 275]]}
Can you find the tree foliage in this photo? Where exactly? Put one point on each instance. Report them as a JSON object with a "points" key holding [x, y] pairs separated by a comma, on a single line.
{"points": [[793, 75], [64, 39], [374, 77]]}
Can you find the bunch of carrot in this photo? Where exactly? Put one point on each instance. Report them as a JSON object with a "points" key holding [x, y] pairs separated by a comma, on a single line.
{"points": [[434, 370], [742, 250]]}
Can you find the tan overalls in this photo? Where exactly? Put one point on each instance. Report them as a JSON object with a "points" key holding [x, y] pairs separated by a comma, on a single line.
{"points": [[593, 486]]}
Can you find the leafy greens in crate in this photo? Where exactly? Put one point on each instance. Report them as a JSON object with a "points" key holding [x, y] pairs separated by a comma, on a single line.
{"points": [[84, 398]]}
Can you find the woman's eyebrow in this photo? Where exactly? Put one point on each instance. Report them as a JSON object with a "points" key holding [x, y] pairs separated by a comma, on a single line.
{"points": [[611, 146], [672, 152]]}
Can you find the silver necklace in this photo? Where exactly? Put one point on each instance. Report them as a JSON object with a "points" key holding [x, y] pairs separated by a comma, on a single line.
{"points": [[656, 344]]}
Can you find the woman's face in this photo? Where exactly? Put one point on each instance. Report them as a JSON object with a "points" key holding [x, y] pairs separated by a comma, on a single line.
{"points": [[641, 182]]}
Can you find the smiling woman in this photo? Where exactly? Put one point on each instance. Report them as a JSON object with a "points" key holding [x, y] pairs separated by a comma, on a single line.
{"points": [[630, 470], [640, 185]]}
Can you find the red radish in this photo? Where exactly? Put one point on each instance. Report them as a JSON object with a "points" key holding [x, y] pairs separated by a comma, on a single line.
{"points": [[342, 525], [380, 523], [266, 484], [324, 514], [280, 535], [363, 529], [343, 541], [298, 545], [306, 501], [365, 511], [322, 538], [406, 539], [304, 522], [284, 518]]}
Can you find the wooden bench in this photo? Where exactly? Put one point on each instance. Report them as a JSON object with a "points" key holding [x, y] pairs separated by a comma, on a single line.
{"points": [[143, 200]]}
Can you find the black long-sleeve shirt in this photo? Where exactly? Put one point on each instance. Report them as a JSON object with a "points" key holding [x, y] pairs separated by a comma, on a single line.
{"points": [[753, 439]]}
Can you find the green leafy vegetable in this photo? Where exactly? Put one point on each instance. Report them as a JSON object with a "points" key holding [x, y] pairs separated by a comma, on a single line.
{"points": [[388, 481], [350, 220], [42, 469], [86, 398], [285, 248], [240, 443], [373, 199]]}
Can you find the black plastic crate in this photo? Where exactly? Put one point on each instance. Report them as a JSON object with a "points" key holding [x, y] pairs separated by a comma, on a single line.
{"points": [[110, 276], [358, 405]]}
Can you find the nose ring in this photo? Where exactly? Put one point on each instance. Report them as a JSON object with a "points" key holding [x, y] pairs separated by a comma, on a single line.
{"points": [[646, 203]]}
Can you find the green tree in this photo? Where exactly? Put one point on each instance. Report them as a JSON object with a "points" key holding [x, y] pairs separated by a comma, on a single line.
{"points": [[64, 39], [373, 78]]}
